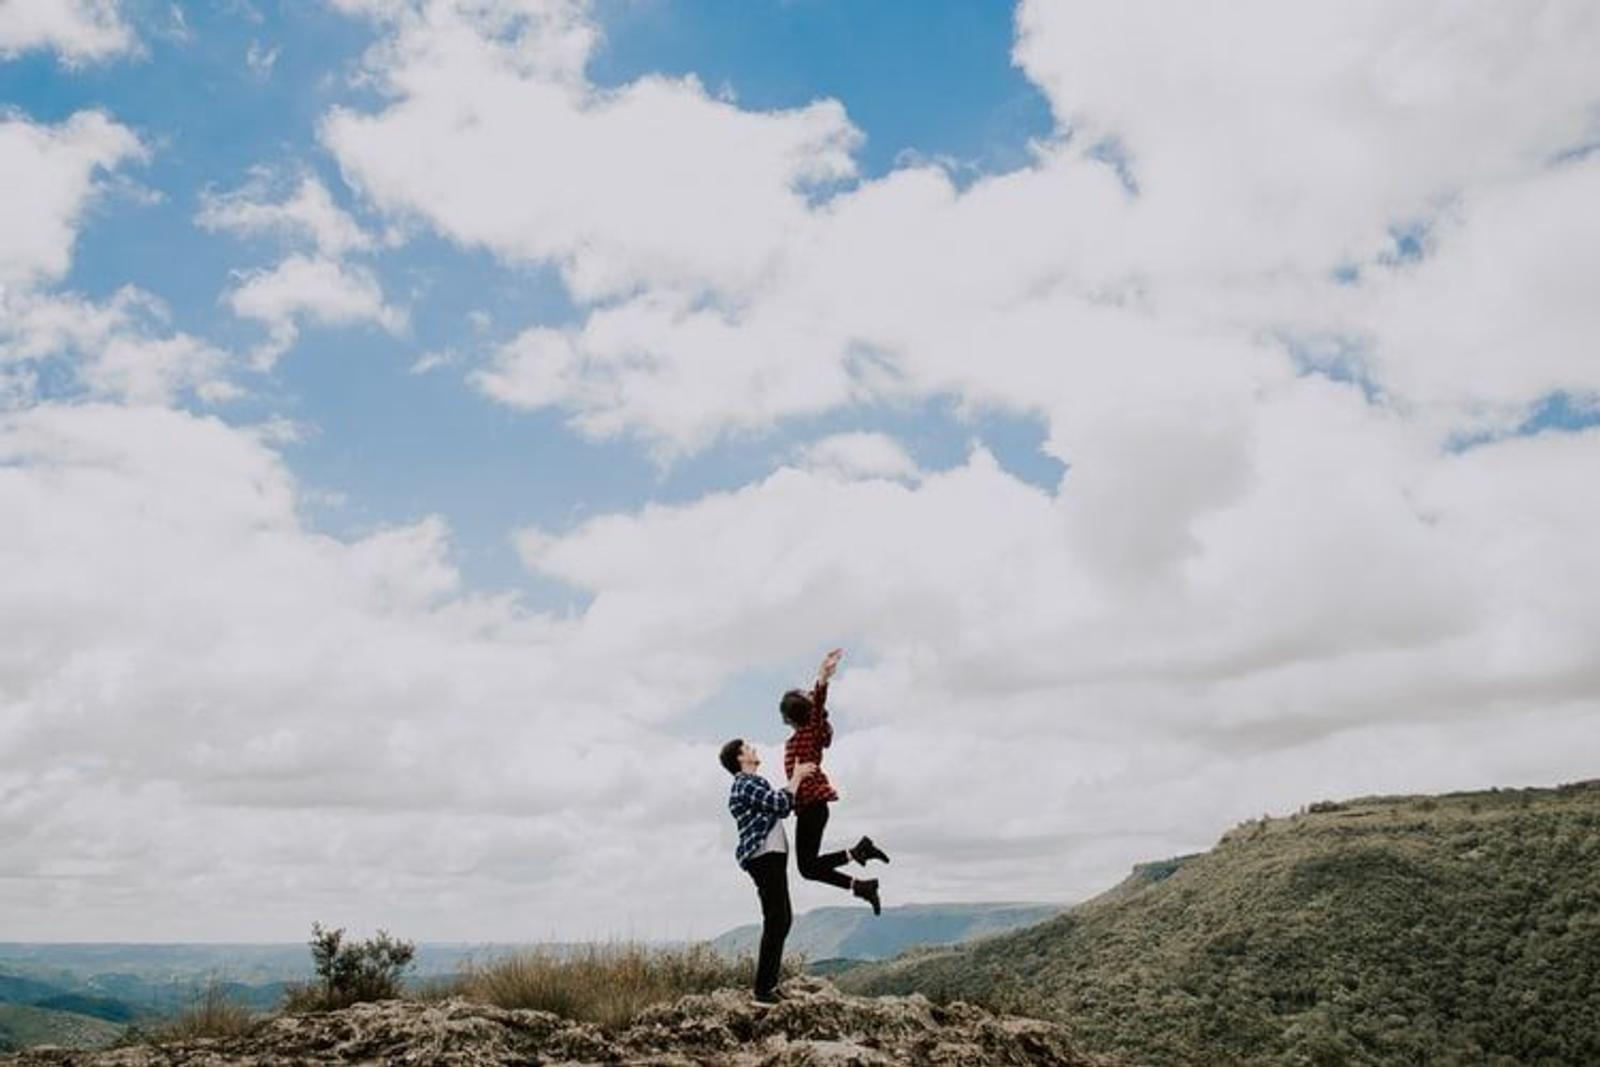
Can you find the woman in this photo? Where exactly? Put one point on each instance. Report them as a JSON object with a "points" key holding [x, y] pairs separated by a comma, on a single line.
{"points": [[807, 714]]}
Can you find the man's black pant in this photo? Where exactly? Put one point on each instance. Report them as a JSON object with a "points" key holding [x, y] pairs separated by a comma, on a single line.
{"points": [[770, 870], [809, 822]]}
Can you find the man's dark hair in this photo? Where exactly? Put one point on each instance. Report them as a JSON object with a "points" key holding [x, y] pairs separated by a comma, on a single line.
{"points": [[729, 756], [795, 707]]}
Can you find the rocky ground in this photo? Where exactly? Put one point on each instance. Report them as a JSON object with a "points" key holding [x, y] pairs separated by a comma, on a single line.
{"points": [[816, 1025]]}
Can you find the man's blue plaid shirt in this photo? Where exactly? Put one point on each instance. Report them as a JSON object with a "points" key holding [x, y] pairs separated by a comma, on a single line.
{"points": [[755, 806]]}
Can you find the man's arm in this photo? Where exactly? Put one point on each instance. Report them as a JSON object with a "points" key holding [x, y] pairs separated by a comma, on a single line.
{"points": [[760, 794], [765, 798], [754, 791]]}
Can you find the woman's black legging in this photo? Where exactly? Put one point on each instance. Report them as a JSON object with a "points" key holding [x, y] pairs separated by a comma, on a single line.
{"points": [[808, 824]]}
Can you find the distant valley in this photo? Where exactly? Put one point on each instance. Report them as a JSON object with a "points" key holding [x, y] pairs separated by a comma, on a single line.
{"points": [[854, 933]]}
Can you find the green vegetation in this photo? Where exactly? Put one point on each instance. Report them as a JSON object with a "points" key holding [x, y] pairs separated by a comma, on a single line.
{"points": [[350, 972], [24, 1025], [1462, 928], [607, 984]]}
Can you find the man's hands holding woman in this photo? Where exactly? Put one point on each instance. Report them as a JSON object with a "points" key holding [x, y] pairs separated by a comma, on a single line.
{"points": [[799, 774]]}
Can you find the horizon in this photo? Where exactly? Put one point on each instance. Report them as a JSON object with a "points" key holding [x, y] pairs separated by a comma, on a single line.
{"points": [[421, 943], [430, 428]]}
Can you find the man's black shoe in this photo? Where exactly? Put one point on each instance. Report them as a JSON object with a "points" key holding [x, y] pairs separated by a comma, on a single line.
{"points": [[867, 890], [770, 996], [865, 850]]}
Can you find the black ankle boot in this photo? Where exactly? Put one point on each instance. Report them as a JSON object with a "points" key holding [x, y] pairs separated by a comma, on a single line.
{"points": [[867, 890], [865, 850]]}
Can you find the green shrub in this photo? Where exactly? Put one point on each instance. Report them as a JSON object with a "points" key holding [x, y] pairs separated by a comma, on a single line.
{"points": [[350, 972]]}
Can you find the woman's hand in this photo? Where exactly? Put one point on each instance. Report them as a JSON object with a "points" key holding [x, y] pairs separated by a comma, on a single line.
{"points": [[830, 663]]}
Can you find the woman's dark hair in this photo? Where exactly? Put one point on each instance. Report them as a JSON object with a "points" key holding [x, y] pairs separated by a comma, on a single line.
{"points": [[729, 756], [795, 707]]}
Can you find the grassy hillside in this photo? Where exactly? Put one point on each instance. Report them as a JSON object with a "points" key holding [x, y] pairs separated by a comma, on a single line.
{"points": [[1462, 928], [22, 1026], [855, 933]]}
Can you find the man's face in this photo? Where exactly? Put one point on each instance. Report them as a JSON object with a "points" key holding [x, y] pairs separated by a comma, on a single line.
{"points": [[749, 759]]}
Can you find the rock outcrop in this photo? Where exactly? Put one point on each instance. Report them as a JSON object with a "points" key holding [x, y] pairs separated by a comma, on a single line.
{"points": [[816, 1025]]}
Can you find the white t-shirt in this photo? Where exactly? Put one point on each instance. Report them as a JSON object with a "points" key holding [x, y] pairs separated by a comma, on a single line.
{"points": [[777, 840]]}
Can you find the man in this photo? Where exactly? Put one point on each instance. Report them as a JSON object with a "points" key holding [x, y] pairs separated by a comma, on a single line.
{"points": [[763, 851]]}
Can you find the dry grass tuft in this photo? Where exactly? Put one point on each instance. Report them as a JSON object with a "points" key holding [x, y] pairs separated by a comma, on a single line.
{"points": [[607, 983], [212, 1014]]}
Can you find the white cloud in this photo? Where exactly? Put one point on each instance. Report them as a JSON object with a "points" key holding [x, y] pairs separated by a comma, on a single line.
{"points": [[261, 59], [122, 347], [431, 360], [1267, 151], [307, 215], [494, 138], [79, 31], [319, 285], [18, 386], [179, 653], [1498, 314], [1270, 150], [1002, 577], [859, 455], [51, 181], [1268, 138], [306, 288]]}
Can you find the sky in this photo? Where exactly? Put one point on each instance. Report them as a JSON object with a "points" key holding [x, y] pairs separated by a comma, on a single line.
{"points": [[429, 428]]}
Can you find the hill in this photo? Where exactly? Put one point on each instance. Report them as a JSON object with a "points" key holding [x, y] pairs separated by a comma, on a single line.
{"points": [[1462, 928], [815, 1025], [113, 1011], [20, 989], [857, 934], [35, 1012], [23, 1025]]}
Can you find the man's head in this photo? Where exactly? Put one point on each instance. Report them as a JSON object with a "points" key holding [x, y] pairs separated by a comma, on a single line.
{"points": [[738, 756], [795, 707]]}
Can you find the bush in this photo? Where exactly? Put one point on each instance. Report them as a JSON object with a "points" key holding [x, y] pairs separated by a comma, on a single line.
{"points": [[350, 972]]}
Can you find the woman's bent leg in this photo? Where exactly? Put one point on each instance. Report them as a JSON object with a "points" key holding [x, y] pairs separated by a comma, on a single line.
{"points": [[809, 823]]}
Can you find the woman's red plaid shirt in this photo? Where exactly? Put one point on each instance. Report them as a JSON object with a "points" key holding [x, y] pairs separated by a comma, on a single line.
{"points": [[805, 745]]}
